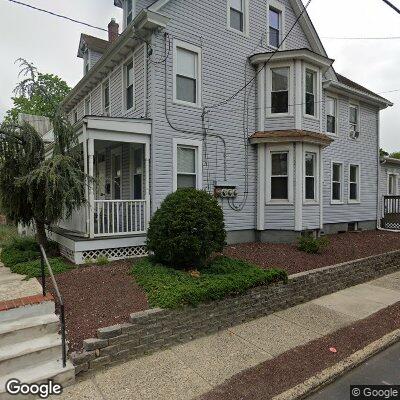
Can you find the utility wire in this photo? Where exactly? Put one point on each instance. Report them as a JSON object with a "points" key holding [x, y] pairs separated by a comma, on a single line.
{"points": [[57, 15], [392, 5], [361, 38]]}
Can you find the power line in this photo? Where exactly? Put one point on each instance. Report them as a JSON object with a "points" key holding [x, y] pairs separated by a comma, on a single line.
{"points": [[361, 38], [392, 5], [57, 15]]}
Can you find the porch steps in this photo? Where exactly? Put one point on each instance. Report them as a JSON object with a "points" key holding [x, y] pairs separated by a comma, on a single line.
{"points": [[30, 344]]}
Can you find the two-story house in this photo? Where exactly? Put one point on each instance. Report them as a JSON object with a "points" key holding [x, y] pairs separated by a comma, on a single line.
{"points": [[236, 97]]}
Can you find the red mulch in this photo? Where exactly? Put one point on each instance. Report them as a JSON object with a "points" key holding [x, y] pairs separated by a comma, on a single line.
{"points": [[96, 297], [275, 376], [342, 247]]}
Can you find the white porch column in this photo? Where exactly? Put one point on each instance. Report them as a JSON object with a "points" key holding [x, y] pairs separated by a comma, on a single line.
{"points": [[91, 186], [298, 207], [85, 171], [147, 183], [261, 187], [321, 188]]}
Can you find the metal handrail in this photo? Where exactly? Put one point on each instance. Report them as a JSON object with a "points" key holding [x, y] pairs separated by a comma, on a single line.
{"points": [[45, 261]]}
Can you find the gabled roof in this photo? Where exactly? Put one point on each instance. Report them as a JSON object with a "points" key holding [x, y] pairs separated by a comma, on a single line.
{"points": [[93, 43]]}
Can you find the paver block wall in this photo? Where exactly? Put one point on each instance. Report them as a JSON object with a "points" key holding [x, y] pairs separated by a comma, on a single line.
{"points": [[155, 329]]}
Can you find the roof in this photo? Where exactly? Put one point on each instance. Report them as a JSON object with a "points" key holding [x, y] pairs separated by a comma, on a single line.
{"points": [[95, 43], [348, 82], [293, 135], [390, 160]]}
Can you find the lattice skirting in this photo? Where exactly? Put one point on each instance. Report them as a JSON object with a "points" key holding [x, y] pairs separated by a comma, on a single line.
{"points": [[115, 254], [67, 253]]}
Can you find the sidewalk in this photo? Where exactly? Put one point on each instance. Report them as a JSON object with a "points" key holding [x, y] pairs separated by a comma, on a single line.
{"points": [[192, 369]]}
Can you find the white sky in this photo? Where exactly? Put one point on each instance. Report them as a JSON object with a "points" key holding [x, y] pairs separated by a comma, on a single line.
{"points": [[51, 44]]}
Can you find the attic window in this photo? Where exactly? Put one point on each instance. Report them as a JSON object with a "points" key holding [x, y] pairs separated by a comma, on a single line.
{"points": [[129, 12]]}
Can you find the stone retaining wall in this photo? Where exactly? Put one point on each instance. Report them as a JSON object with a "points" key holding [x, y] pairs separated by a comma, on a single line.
{"points": [[155, 329]]}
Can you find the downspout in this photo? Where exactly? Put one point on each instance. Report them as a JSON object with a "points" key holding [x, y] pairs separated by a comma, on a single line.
{"points": [[378, 211]]}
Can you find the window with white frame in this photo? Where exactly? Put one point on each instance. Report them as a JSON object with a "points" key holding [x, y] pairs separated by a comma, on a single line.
{"points": [[106, 98], [275, 28], [310, 95], [128, 11], [331, 114], [88, 106], [187, 74], [75, 116], [354, 120], [310, 185], [280, 90], [354, 183], [392, 184], [186, 169], [337, 182], [280, 175], [129, 88], [236, 14]]}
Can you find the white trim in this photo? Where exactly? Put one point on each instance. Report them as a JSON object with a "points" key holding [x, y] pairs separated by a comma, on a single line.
{"points": [[396, 182], [268, 90], [245, 18], [341, 201], [198, 51], [261, 187], [103, 84], [321, 188], [298, 211], [314, 150], [336, 98], [272, 149], [358, 200], [317, 91], [281, 9], [128, 60], [196, 144], [298, 109], [261, 86]]}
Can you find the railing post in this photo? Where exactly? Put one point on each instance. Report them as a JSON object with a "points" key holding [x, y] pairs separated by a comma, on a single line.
{"points": [[43, 274]]}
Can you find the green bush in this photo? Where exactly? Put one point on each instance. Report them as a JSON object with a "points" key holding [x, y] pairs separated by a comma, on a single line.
{"points": [[102, 260], [32, 269], [170, 288], [312, 245], [7, 232], [186, 229]]}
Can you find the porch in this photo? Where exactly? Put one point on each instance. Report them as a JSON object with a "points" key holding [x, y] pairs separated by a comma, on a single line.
{"points": [[116, 154], [390, 218]]}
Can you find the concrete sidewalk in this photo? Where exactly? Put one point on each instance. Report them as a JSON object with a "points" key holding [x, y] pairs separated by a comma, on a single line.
{"points": [[189, 370]]}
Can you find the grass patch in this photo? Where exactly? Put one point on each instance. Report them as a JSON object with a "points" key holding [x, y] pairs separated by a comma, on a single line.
{"points": [[32, 269], [7, 233], [171, 288]]}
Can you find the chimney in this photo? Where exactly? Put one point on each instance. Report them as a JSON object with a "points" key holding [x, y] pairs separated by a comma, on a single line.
{"points": [[113, 30]]}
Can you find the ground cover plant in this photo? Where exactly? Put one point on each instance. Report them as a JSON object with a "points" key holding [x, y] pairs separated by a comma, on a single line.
{"points": [[32, 269], [167, 287], [7, 232], [312, 245]]}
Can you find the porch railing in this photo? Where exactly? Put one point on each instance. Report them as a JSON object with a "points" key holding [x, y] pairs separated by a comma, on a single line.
{"points": [[119, 217], [391, 212]]}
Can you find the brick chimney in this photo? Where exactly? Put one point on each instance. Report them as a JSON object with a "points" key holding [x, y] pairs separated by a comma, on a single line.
{"points": [[113, 30]]}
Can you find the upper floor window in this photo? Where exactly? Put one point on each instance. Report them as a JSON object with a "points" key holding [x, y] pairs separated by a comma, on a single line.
{"points": [[280, 175], [280, 90], [274, 28], [392, 184], [187, 74], [331, 111], [75, 116], [237, 14], [128, 80], [129, 11], [354, 183], [88, 105], [106, 98], [310, 175], [337, 183], [311, 85], [354, 120]]}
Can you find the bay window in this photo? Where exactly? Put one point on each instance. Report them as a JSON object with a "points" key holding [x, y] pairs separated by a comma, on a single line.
{"points": [[280, 90], [187, 74], [310, 176], [337, 183], [310, 95], [279, 176], [354, 183], [331, 111]]}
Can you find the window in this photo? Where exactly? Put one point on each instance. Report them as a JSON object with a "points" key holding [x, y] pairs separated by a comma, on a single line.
{"points": [[129, 11], [106, 98], [353, 120], [187, 74], [274, 28], [87, 106], [129, 85], [311, 78], [392, 184], [331, 109], [337, 178], [354, 184], [236, 14], [310, 175], [75, 116], [279, 176], [280, 90]]}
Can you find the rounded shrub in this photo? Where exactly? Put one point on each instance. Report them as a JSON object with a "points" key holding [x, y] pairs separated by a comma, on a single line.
{"points": [[186, 229]]}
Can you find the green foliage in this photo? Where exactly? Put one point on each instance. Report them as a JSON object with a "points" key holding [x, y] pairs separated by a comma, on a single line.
{"points": [[186, 229], [383, 153], [32, 269], [7, 233], [171, 288], [311, 245], [102, 260], [395, 155]]}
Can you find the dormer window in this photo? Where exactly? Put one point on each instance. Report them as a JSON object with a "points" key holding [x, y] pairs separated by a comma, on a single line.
{"points": [[129, 11]]}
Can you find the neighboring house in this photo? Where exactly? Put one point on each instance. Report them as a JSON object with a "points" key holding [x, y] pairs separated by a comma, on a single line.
{"points": [[390, 193], [188, 95]]}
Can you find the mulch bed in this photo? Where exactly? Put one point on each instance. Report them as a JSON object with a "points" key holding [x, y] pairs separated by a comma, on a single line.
{"points": [[342, 247], [275, 376], [96, 297]]}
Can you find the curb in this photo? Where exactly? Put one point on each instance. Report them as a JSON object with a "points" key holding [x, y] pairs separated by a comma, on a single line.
{"points": [[330, 374]]}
